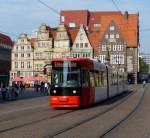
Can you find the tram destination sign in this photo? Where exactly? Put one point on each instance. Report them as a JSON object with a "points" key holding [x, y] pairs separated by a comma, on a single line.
{"points": [[65, 64]]}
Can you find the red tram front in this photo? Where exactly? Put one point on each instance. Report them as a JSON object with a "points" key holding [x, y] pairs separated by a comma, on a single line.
{"points": [[69, 83]]}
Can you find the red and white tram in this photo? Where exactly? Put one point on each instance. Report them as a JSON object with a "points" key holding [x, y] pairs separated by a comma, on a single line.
{"points": [[81, 82]]}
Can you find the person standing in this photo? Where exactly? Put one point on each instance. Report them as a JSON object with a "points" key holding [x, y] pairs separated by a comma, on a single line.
{"points": [[45, 87]]}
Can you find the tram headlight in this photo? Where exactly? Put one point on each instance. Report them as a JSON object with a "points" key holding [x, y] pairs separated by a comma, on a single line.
{"points": [[54, 91], [74, 91]]}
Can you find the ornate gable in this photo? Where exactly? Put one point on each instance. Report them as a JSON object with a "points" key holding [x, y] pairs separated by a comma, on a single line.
{"points": [[81, 46], [61, 33]]}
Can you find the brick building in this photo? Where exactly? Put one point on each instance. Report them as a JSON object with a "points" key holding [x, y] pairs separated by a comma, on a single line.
{"points": [[109, 31]]}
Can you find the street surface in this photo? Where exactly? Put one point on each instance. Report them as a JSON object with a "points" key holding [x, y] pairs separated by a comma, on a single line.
{"points": [[31, 117]]}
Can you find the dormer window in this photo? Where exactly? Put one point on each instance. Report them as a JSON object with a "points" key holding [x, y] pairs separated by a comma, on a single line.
{"points": [[112, 36], [112, 28], [72, 24], [97, 24]]}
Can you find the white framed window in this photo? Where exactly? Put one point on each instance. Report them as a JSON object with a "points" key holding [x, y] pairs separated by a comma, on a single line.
{"points": [[102, 58], [112, 28], [22, 47], [28, 55], [22, 55], [86, 45], [117, 36], [77, 45], [72, 24], [97, 24], [106, 36], [28, 65], [16, 55], [16, 64], [117, 59], [104, 47], [81, 45], [28, 47], [22, 64], [112, 36]]}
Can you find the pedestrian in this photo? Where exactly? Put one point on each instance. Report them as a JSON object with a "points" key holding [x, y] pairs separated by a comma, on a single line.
{"points": [[42, 86], [21, 87], [45, 87], [144, 83], [4, 91]]}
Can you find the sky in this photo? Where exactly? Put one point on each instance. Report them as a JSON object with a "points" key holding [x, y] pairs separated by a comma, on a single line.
{"points": [[22, 16]]}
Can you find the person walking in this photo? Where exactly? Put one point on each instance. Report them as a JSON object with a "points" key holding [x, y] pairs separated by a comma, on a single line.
{"points": [[144, 83], [4, 91]]}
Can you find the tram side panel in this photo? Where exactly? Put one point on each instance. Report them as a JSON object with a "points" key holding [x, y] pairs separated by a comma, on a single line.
{"points": [[113, 90]]}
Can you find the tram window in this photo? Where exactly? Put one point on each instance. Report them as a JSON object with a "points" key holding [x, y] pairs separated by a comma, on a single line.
{"points": [[96, 79], [85, 78], [92, 83], [104, 79]]}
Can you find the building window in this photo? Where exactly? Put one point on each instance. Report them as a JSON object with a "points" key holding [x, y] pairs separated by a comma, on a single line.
{"points": [[17, 47], [28, 47], [81, 45], [39, 44], [16, 55], [16, 64], [28, 65], [117, 35], [72, 24], [86, 45], [22, 55], [102, 58], [22, 64], [112, 28], [97, 24], [77, 45], [117, 59], [112, 36], [22, 47], [104, 47], [106, 36], [28, 55]]}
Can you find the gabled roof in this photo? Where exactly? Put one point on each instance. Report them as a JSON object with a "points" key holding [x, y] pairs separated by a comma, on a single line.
{"points": [[80, 16], [127, 23], [72, 33], [4, 39]]}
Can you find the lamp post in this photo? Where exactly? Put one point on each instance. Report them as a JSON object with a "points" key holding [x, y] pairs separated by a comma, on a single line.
{"points": [[107, 62], [107, 58]]}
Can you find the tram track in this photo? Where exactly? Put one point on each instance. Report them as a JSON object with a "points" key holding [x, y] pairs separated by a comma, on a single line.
{"points": [[34, 122], [39, 121], [88, 119], [108, 131]]}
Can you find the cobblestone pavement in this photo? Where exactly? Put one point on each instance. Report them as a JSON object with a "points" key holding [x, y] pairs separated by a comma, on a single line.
{"points": [[31, 110], [138, 125]]}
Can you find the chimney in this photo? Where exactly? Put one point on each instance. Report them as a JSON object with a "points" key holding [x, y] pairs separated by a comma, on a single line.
{"points": [[126, 15]]}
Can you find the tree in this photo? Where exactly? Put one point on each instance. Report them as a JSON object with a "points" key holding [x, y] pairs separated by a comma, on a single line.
{"points": [[143, 67]]}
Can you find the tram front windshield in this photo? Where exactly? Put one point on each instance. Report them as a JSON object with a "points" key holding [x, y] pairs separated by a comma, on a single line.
{"points": [[65, 74]]}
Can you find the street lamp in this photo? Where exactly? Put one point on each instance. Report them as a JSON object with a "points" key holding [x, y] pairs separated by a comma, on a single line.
{"points": [[107, 58]]}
